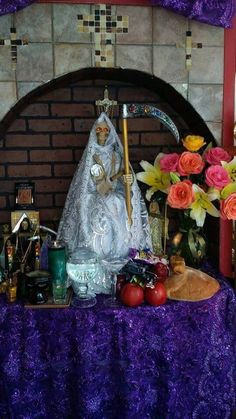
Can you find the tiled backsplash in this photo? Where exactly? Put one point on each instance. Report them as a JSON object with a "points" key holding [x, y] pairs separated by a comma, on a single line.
{"points": [[155, 43]]}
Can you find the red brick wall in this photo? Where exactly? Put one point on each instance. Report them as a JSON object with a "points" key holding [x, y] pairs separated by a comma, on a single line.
{"points": [[46, 140]]}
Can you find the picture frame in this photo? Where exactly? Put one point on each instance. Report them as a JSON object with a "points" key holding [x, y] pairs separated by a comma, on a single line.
{"points": [[24, 195]]}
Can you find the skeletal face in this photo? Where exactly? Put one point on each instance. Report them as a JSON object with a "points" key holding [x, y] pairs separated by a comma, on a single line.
{"points": [[102, 132], [154, 208]]}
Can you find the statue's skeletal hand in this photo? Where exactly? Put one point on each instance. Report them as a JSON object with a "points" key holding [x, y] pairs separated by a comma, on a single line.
{"points": [[97, 172], [128, 178]]}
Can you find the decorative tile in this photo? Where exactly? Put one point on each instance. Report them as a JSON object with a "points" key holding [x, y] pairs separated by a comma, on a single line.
{"points": [[7, 97], [207, 34], [207, 101], [140, 25], [104, 24], [13, 42], [35, 63], [168, 28], [65, 22], [71, 57], [35, 22], [207, 65], [25, 87], [169, 64], [134, 56]]}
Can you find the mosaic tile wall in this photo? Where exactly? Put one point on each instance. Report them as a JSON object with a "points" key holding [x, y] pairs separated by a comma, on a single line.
{"points": [[48, 40]]}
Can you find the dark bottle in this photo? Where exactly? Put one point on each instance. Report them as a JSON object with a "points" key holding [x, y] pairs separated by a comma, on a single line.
{"points": [[21, 279], [12, 288]]}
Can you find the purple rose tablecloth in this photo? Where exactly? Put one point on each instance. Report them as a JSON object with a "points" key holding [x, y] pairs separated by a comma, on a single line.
{"points": [[177, 361]]}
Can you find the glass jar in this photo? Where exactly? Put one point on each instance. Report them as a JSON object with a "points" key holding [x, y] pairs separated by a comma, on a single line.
{"points": [[190, 242], [57, 268], [84, 271]]}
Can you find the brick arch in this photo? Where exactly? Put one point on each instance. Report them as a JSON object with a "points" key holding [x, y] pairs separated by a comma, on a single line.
{"points": [[44, 134], [137, 78]]}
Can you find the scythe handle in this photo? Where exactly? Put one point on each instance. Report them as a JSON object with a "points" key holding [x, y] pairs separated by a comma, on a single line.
{"points": [[127, 170]]}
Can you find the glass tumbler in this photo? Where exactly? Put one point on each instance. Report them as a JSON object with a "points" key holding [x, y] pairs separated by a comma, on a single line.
{"points": [[82, 268]]}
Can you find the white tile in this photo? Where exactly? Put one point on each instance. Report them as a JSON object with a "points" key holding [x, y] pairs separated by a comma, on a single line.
{"points": [[35, 62], [25, 87], [168, 28], [65, 22], [34, 22], [207, 65], [169, 64], [207, 34], [134, 56], [140, 25], [207, 101], [7, 97], [71, 57]]}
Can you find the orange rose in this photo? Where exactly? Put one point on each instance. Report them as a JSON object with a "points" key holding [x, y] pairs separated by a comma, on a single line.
{"points": [[228, 207], [190, 163], [181, 195]]}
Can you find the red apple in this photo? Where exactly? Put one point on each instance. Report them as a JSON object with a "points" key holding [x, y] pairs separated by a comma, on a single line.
{"points": [[161, 270], [132, 295], [156, 294]]}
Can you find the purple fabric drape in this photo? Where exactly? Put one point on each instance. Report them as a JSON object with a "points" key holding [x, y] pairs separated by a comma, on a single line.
{"points": [[213, 12], [11, 6], [177, 361]]}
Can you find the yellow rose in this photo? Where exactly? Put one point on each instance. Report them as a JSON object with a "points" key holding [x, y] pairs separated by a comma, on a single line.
{"points": [[193, 142]]}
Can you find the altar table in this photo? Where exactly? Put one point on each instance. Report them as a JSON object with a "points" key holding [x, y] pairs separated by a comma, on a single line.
{"points": [[177, 361]]}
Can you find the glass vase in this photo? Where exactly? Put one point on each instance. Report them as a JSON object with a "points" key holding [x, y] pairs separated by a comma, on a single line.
{"points": [[190, 242], [82, 268], [112, 269]]}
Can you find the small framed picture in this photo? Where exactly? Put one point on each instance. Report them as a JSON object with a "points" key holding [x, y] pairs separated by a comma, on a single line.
{"points": [[24, 195]]}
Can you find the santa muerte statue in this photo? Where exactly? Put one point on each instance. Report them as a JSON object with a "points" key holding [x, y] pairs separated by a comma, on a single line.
{"points": [[104, 209], [95, 213]]}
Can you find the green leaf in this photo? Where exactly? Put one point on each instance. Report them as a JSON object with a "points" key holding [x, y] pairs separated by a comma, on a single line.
{"points": [[174, 177]]}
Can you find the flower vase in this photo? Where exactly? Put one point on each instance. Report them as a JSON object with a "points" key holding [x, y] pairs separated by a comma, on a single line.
{"points": [[190, 242]]}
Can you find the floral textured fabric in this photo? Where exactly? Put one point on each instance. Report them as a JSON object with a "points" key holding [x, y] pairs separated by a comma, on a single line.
{"points": [[177, 361], [213, 12], [12, 6]]}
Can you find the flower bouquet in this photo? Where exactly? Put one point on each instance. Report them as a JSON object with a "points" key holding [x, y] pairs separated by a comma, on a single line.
{"points": [[195, 182]]}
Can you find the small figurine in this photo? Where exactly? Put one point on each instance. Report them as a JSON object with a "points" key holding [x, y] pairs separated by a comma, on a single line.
{"points": [[22, 246]]}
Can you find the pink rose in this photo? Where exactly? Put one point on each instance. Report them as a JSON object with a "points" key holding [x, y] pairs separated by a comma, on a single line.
{"points": [[181, 195], [190, 163], [228, 207], [169, 162], [216, 155], [217, 177]]}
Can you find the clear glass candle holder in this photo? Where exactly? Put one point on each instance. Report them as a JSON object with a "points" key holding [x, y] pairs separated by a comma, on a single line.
{"points": [[112, 269], [81, 268]]}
